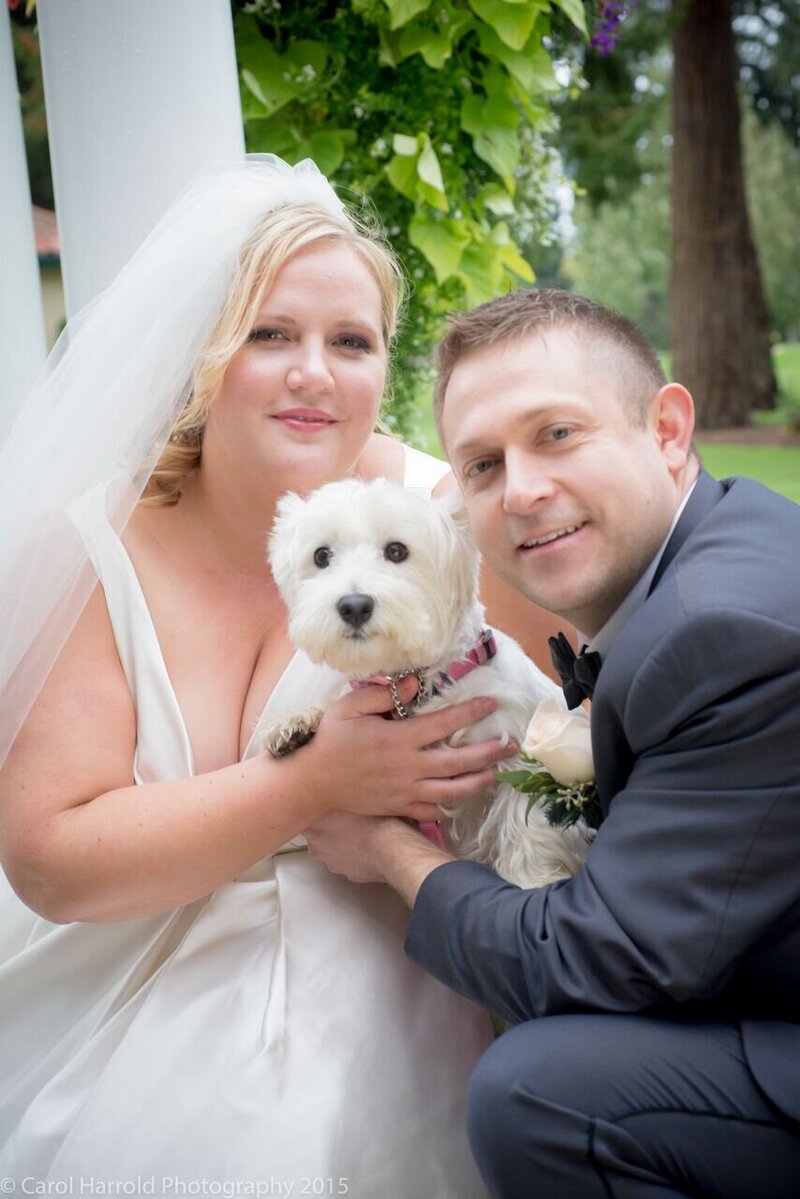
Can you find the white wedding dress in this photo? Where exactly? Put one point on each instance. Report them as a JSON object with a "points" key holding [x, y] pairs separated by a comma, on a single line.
{"points": [[269, 1039]]}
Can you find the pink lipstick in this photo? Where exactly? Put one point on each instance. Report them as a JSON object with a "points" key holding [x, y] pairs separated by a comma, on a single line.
{"points": [[306, 420]]}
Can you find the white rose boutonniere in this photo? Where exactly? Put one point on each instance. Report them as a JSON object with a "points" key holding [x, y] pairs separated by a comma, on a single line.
{"points": [[558, 745]]}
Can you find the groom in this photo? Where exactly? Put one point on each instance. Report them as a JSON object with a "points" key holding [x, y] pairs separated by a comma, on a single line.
{"points": [[655, 996]]}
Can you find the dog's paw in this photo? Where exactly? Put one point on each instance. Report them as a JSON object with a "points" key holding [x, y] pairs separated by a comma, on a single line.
{"points": [[284, 736]]}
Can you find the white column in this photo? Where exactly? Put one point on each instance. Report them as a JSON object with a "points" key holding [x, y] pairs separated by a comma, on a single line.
{"points": [[22, 339], [141, 95]]}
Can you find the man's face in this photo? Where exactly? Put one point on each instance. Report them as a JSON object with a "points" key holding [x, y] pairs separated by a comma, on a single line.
{"points": [[567, 499]]}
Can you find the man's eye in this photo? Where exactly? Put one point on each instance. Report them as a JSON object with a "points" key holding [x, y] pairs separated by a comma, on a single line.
{"points": [[560, 433], [322, 556], [395, 551], [479, 468]]}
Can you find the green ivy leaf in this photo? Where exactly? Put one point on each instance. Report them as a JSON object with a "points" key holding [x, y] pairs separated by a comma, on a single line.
{"points": [[389, 54], [537, 112], [493, 122], [500, 235], [428, 168], [435, 44], [576, 13], [305, 55], [273, 137], [254, 102], [435, 47], [531, 66], [405, 145], [327, 148], [442, 242], [415, 171], [278, 135], [268, 84], [500, 148], [512, 20], [495, 199], [513, 260], [277, 79], [402, 174], [501, 86], [402, 11], [481, 273]]}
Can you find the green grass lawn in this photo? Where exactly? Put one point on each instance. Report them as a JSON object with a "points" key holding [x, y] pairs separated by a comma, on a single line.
{"points": [[777, 466]]}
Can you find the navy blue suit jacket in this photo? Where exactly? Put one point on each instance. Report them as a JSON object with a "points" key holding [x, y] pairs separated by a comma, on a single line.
{"points": [[690, 899]]}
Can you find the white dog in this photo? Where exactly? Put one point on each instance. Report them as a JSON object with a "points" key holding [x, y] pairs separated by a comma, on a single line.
{"points": [[382, 581]]}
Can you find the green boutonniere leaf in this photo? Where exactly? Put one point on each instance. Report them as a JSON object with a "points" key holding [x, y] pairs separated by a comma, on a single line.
{"points": [[563, 806]]}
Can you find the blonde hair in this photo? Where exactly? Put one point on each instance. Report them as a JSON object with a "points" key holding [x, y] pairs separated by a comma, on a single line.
{"points": [[277, 238]]}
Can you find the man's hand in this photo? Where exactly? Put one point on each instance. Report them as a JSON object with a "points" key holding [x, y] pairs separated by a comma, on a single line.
{"points": [[375, 849]]}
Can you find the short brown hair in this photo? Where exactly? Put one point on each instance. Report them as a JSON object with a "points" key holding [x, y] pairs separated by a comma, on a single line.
{"points": [[521, 313]]}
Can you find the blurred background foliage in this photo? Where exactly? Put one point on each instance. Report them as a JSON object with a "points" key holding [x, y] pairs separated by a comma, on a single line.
{"points": [[615, 136], [500, 148]]}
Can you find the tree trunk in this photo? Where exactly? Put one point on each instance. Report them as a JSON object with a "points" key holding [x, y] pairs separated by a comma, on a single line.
{"points": [[720, 323]]}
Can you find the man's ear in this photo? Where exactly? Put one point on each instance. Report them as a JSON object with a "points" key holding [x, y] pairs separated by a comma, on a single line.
{"points": [[672, 417]]}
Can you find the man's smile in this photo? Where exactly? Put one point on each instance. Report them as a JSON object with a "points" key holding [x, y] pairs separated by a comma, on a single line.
{"points": [[547, 538]]}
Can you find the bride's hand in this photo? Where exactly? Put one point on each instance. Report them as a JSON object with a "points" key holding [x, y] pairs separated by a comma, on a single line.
{"points": [[377, 767]]}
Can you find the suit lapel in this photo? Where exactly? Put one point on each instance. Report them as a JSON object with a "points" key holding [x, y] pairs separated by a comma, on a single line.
{"points": [[706, 495], [614, 758]]}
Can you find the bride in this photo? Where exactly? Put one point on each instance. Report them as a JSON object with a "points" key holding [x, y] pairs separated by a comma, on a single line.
{"points": [[186, 999]]}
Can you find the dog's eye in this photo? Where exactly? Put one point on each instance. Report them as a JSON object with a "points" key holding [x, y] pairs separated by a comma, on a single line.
{"points": [[322, 557], [395, 551]]}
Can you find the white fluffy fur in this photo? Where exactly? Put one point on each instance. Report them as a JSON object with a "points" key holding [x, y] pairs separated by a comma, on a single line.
{"points": [[426, 615]]}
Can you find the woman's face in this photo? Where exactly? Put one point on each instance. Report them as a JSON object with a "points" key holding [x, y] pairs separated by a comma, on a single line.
{"points": [[301, 397]]}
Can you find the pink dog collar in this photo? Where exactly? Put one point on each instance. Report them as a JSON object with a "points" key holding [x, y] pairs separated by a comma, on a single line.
{"points": [[481, 651]]}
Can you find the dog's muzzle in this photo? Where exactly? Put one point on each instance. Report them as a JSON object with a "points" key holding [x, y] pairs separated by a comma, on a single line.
{"points": [[355, 610]]}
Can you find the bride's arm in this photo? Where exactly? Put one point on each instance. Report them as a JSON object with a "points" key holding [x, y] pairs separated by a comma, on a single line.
{"points": [[80, 841]]}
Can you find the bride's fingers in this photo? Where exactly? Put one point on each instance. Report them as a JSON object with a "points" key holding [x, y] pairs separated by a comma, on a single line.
{"points": [[450, 762], [373, 698], [429, 728], [445, 793], [426, 728]]}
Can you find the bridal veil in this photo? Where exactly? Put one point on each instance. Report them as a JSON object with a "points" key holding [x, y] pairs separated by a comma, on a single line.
{"points": [[106, 401]]}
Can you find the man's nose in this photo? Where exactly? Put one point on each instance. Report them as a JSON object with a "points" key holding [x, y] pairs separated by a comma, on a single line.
{"points": [[527, 482]]}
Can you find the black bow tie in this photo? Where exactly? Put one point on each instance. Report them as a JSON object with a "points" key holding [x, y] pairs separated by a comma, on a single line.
{"points": [[578, 674]]}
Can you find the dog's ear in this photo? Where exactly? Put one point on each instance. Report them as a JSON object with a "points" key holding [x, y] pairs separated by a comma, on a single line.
{"points": [[282, 540], [451, 503], [464, 560], [289, 503]]}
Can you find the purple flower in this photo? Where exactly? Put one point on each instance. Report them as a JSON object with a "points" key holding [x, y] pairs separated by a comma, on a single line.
{"points": [[607, 30]]}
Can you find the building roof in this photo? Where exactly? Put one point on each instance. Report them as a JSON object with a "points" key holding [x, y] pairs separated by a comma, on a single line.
{"points": [[46, 229]]}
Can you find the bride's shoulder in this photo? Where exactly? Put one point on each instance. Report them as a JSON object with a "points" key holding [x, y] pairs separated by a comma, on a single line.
{"points": [[390, 458], [383, 457]]}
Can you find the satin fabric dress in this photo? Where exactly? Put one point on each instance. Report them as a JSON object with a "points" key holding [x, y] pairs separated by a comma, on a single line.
{"points": [[268, 1039]]}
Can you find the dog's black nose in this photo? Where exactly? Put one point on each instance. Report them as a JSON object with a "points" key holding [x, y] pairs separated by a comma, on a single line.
{"points": [[355, 610]]}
